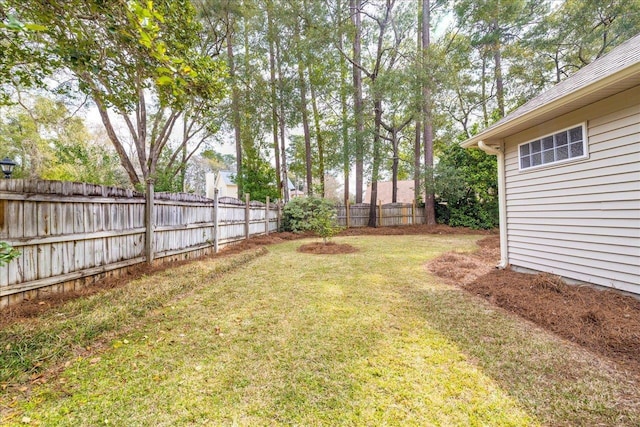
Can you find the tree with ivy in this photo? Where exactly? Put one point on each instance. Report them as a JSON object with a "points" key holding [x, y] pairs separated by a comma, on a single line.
{"points": [[466, 187], [258, 179]]}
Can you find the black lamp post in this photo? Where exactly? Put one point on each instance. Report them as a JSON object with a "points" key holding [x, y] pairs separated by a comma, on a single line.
{"points": [[7, 166]]}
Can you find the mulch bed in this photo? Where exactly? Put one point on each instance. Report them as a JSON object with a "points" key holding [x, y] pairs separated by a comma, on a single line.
{"points": [[257, 241], [603, 321], [329, 248]]}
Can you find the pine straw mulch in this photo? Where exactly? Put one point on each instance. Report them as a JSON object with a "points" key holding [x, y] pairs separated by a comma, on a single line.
{"points": [[605, 322]]}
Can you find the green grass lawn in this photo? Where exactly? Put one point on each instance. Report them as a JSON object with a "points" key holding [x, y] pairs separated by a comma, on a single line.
{"points": [[368, 338]]}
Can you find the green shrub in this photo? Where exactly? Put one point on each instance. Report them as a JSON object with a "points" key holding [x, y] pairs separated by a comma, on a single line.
{"points": [[311, 214], [466, 188]]}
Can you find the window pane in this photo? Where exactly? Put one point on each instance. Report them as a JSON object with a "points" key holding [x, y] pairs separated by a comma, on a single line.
{"points": [[561, 139], [575, 134], [576, 150], [535, 146], [562, 153], [561, 146], [536, 159]]}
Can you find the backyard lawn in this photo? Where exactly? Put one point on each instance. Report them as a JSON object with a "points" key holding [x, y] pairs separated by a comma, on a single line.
{"points": [[274, 336]]}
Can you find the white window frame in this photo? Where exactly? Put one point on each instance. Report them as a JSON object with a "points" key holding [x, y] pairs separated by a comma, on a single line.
{"points": [[585, 152]]}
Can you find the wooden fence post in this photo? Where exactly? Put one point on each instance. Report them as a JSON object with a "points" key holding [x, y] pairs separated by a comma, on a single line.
{"points": [[148, 222], [247, 215], [215, 221], [380, 213], [348, 213], [266, 214]]}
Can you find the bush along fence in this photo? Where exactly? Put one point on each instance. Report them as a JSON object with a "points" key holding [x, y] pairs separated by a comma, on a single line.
{"points": [[70, 235], [357, 215]]}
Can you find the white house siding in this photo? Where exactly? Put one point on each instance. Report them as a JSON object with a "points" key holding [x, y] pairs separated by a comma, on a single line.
{"points": [[581, 219], [210, 179]]}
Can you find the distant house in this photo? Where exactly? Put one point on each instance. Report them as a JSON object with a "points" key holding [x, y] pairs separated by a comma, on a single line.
{"points": [[224, 181], [385, 192], [293, 193], [569, 175]]}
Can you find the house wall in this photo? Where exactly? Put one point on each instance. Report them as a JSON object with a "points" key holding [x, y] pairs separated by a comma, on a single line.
{"points": [[210, 179], [225, 189], [581, 219]]}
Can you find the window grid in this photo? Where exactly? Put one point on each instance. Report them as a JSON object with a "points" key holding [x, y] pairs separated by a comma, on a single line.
{"points": [[558, 147]]}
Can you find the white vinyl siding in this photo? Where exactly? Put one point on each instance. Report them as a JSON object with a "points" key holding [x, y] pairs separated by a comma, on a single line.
{"points": [[581, 219]]}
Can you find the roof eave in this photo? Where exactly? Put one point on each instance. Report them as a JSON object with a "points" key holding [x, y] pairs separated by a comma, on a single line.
{"points": [[502, 130]]}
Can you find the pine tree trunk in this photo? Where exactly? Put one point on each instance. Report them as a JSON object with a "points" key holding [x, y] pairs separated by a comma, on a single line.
{"points": [[497, 58], [343, 104], [281, 120], [377, 106], [417, 153], [394, 165], [319, 140], [485, 113], [235, 108], [183, 163], [274, 100], [302, 84], [355, 6], [429, 203]]}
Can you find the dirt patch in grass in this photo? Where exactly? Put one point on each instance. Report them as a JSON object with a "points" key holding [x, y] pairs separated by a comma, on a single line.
{"points": [[603, 321], [329, 248]]}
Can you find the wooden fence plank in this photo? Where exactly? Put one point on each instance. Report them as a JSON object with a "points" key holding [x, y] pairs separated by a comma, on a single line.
{"points": [[393, 214]]}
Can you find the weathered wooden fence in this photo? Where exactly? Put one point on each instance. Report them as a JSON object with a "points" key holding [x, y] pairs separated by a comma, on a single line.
{"points": [[72, 234], [357, 215]]}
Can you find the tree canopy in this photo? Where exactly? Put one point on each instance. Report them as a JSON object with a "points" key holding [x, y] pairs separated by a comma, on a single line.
{"points": [[140, 62]]}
